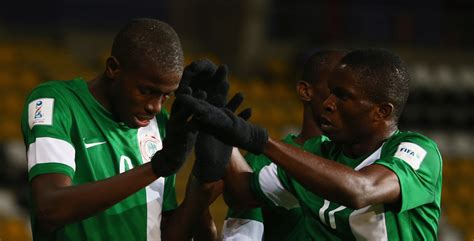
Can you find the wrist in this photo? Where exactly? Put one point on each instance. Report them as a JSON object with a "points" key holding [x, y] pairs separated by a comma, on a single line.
{"points": [[160, 165], [259, 140]]}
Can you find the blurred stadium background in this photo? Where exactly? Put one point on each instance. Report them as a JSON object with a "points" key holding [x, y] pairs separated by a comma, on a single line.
{"points": [[262, 41]]}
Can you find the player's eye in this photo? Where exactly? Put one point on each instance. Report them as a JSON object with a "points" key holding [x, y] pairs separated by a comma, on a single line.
{"points": [[144, 91], [340, 94]]}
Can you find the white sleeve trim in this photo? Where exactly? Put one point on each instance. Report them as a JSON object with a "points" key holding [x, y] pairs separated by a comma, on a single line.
{"points": [[236, 229], [273, 188], [51, 150]]}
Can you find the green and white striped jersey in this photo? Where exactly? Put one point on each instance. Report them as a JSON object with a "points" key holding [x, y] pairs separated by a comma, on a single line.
{"points": [[67, 131], [416, 161], [271, 222]]}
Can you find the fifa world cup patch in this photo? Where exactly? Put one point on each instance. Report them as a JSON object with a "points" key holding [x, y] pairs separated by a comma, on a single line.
{"points": [[40, 112], [411, 153]]}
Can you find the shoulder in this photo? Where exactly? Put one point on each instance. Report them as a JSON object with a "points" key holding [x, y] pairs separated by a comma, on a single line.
{"points": [[54, 89], [408, 138], [413, 148]]}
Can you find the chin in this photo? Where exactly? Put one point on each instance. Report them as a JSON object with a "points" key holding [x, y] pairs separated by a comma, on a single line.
{"points": [[130, 124], [333, 136]]}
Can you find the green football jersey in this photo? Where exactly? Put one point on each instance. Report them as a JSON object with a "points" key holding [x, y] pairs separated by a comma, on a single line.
{"points": [[416, 161], [67, 131], [271, 222]]}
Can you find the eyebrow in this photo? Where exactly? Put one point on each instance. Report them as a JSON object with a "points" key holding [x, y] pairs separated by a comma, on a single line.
{"points": [[343, 91]]}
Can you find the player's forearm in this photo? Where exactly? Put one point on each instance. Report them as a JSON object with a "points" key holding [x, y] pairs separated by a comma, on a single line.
{"points": [[324, 177], [206, 229], [58, 205], [184, 220], [237, 183]]}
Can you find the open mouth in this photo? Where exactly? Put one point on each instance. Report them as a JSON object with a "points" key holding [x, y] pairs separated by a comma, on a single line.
{"points": [[325, 123], [142, 121]]}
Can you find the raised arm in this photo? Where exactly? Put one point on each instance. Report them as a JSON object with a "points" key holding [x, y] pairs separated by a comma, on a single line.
{"points": [[331, 180], [237, 183], [334, 181]]}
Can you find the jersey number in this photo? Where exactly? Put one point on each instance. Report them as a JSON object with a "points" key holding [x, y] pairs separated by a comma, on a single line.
{"points": [[332, 220], [125, 164]]}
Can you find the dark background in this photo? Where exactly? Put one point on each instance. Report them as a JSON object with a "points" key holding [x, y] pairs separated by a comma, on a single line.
{"points": [[263, 42]]}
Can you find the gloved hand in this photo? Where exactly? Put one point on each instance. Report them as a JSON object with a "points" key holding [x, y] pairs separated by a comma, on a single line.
{"points": [[212, 155], [225, 125], [180, 137], [216, 87], [196, 75], [203, 75]]}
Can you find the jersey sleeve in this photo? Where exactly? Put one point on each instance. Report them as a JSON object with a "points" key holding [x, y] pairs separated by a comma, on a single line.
{"points": [[417, 162], [243, 225], [169, 196], [46, 124], [273, 187]]}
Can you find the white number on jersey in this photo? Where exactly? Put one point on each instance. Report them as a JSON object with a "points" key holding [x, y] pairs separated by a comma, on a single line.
{"points": [[125, 163]]}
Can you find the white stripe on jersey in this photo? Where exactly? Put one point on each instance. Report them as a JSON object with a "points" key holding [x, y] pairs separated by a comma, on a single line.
{"points": [[368, 223], [51, 150], [149, 142], [154, 207], [236, 229], [370, 159], [274, 190]]}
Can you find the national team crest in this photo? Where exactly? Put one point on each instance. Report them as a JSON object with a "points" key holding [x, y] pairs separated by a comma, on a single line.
{"points": [[149, 140], [149, 146]]}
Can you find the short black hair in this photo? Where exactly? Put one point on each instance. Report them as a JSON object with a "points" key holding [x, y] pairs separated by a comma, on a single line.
{"points": [[383, 75], [319, 61], [148, 41]]}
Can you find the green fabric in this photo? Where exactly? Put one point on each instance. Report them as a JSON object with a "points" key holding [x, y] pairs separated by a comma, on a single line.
{"points": [[415, 218], [79, 121], [279, 223]]}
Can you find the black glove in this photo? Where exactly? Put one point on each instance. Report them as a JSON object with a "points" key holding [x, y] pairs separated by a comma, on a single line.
{"points": [[212, 155], [216, 87], [180, 138], [203, 75], [196, 75], [225, 125]]}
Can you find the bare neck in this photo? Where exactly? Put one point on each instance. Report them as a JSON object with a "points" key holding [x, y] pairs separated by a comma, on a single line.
{"points": [[97, 87], [368, 145], [309, 128]]}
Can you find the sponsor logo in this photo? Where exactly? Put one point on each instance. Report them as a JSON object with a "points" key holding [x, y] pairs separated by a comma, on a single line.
{"points": [[39, 106], [40, 112], [411, 153], [92, 144]]}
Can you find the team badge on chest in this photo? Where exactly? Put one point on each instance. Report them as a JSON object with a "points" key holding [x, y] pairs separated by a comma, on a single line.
{"points": [[149, 146], [149, 140]]}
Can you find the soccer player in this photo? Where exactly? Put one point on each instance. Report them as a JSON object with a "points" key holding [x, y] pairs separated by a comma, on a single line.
{"points": [[370, 181], [275, 223], [100, 166]]}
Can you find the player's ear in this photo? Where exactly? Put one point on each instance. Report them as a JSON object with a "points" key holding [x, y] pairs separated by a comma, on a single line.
{"points": [[304, 90], [384, 111], [112, 67]]}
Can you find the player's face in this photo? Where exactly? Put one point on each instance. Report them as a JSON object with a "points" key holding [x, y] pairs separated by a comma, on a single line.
{"points": [[138, 93], [347, 112], [320, 93]]}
